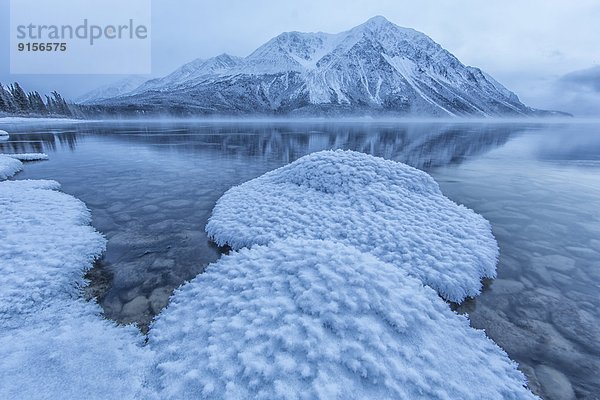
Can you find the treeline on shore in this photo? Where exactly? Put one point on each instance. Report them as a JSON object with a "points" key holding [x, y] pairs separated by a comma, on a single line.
{"points": [[15, 101]]}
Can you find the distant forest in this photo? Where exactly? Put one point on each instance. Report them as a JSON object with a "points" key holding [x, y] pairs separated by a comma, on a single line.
{"points": [[15, 101]]}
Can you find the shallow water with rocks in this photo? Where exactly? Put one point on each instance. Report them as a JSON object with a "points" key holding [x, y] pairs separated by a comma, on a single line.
{"points": [[152, 185]]}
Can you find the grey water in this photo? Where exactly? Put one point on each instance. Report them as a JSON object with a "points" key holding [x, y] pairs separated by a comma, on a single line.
{"points": [[151, 187]]}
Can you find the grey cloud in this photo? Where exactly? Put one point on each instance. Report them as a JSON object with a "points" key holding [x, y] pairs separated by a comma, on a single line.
{"points": [[587, 79]]}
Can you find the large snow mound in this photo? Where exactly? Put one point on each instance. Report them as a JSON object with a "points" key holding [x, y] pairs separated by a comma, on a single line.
{"points": [[9, 166], [54, 345], [317, 319], [28, 156], [45, 247], [389, 209]]}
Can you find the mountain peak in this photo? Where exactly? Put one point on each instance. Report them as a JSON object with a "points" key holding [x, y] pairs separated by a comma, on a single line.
{"points": [[376, 67], [378, 20]]}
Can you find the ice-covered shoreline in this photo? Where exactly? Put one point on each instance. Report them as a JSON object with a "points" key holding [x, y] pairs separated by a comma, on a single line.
{"points": [[328, 317], [54, 344], [9, 166]]}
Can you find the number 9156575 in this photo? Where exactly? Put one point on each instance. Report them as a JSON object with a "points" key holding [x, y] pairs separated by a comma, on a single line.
{"points": [[50, 46]]}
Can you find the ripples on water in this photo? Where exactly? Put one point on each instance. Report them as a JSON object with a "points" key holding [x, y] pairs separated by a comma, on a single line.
{"points": [[151, 188]]}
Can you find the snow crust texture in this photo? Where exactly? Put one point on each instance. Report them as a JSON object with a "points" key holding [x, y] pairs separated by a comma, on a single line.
{"points": [[306, 319], [296, 316], [54, 345], [388, 209], [9, 166]]}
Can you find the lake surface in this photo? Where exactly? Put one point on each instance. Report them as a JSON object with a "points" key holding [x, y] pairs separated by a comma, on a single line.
{"points": [[151, 188]]}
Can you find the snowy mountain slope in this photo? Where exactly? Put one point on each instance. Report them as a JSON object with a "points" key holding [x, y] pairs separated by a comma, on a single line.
{"points": [[115, 89], [376, 67]]}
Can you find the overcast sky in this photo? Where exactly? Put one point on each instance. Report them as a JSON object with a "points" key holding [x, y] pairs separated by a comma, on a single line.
{"points": [[526, 45]]}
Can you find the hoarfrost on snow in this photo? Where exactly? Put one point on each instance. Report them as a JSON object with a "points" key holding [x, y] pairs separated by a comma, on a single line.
{"points": [[389, 209], [300, 317], [28, 156], [53, 344], [317, 319], [9, 166], [47, 244]]}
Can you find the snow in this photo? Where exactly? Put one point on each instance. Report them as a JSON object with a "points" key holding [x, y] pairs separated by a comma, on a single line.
{"points": [[317, 319], [3, 134], [297, 317], [376, 67], [386, 208], [28, 156], [52, 343], [407, 69], [9, 166]]}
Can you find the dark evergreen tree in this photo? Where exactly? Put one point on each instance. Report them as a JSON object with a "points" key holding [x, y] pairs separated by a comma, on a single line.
{"points": [[6, 101], [3, 102], [60, 104], [36, 104], [19, 97]]}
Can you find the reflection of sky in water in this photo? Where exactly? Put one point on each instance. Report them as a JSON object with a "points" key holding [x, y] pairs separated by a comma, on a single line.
{"points": [[151, 188]]}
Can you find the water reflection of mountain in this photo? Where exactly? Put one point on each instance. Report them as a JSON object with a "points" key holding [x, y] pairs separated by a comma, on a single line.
{"points": [[421, 145]]}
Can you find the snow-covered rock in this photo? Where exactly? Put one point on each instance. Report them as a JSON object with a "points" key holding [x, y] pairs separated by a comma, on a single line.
{"points": [[389, 209], [28, 156], [53, 344], [9, 166], [4, 135], [377, 67], [306, 319]]}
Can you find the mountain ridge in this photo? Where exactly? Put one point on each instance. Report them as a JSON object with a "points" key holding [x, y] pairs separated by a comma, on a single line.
{"points": [[374, 68]]}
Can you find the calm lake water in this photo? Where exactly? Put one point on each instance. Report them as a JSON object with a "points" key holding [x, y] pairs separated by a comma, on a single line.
{"points": [[151, 187]]}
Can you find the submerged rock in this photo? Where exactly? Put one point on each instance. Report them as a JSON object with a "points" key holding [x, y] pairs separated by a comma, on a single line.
{"points": [[555, 384]]}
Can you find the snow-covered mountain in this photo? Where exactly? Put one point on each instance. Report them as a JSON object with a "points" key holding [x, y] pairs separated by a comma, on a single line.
{"points": [[377, 67], [112, 90]]}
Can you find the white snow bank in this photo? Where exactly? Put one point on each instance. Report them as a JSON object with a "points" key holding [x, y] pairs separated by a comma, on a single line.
{"points": [[316, 319], [3, 133], [68, 351], [28, 156], [47, 244], [387, 208], [53, 344], [9, 166]]}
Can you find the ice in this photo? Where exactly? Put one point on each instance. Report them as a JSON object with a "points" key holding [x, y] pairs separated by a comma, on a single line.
{"points": [[383, 207], [9, 166], [317, 319], [28, 156], [52, 343]]}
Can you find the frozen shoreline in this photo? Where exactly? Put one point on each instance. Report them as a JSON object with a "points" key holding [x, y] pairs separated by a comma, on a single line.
{"points": [[56, 310]]}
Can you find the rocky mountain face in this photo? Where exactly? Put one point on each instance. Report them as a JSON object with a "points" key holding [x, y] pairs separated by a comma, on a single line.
{"points": [[375, 68]]}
